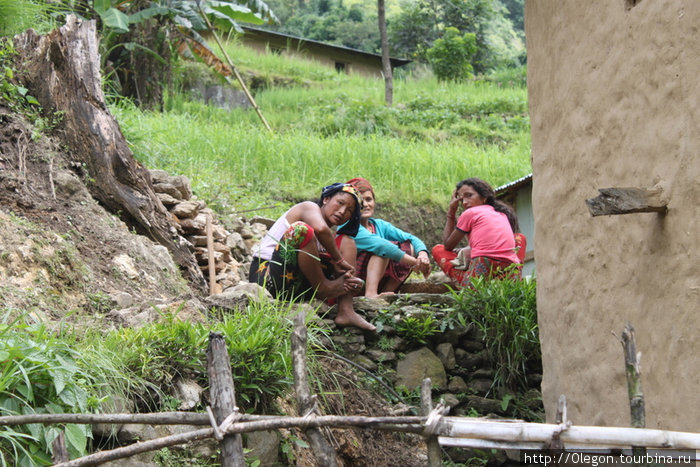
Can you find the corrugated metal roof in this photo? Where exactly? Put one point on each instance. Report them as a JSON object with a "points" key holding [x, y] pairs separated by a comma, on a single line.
{"points": [[515, 184], [396, 62]]}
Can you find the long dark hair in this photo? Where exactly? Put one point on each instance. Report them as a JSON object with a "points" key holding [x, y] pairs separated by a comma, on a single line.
{"points": [[485, 191]]}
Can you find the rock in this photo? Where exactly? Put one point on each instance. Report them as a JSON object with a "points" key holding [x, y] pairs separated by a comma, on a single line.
{"points": [[125, 265], [122, 299], [133, 432], [446, 354], [365, 362], [469, 360], [457, 385], [381, 356], [483, 405], [237, 297], [264, 445], [186, 209], [481, 386], [455, 334], [189, 392], [267, 222], [418, 365], [449, 400], [168, 189], [182, 184], [370, 304], [471, 345], [431, 299], [167, 200]]}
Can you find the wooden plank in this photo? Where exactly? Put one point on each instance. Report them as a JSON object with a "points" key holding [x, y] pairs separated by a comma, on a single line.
{"points": [[626, 201]]}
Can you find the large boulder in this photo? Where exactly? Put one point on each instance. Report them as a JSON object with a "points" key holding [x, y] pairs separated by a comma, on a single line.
{"points": [[418, 365]]}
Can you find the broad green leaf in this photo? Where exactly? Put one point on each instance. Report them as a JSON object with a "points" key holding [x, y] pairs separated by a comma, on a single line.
{"points": [[60, 378], [116, 20], [4, 355], [32, 100], [147, 13], [76, 436], [101, 6]]}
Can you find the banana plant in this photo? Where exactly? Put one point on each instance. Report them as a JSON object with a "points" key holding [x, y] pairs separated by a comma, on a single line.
{"points": [[183, 21]]}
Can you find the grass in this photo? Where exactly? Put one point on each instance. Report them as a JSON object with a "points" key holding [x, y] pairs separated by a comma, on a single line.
{"points": [[334, 127], [505, 312]]}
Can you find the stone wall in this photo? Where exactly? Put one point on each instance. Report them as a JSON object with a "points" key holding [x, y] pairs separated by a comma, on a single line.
{"points": [[615, 102], [455, 359]]}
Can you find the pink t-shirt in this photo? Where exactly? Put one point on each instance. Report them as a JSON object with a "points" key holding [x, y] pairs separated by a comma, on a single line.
{"points": [[489, 233]]}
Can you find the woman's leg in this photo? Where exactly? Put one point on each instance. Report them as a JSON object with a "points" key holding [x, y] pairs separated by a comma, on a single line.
{"points": [[396, 273], [376, 266], [443, 259], [347, 316], [310, 266]]}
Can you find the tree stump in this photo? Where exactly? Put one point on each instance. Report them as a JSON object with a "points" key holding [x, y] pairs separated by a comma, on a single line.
{"points": [[62, 70]]}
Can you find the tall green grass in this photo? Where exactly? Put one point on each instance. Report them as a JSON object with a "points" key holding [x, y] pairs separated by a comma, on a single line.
{"points": [[505, 311], [333, 130]]}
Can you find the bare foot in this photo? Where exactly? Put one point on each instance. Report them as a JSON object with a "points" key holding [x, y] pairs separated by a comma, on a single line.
{"points": [[383, 294], [351, 318]]}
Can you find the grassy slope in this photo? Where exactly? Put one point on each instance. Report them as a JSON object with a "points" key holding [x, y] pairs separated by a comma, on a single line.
{"points": [[331, 127]]}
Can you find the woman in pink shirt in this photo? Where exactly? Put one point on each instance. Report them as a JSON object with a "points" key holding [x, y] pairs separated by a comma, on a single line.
{"points": [[489, 225]]}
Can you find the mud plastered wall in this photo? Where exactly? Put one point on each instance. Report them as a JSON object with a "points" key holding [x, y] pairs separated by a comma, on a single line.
{"points": [[614, 101]]}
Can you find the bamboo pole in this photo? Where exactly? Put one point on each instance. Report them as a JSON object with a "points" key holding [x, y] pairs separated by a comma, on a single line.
{"points": [[234, 69], [323, 451], [596, 436]]}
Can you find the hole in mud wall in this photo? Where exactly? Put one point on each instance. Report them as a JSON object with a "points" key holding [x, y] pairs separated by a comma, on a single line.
{"points": [[629, 4]]}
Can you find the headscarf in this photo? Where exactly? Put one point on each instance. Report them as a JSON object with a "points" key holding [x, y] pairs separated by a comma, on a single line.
{"points": [[353, 225], [361, 184]]}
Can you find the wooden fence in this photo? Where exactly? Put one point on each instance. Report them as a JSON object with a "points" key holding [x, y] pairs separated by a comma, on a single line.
{"points": [[225, 423]]}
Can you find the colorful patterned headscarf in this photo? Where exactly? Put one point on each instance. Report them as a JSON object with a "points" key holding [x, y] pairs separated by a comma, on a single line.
{"points": [[362, 185], [353, 225]]}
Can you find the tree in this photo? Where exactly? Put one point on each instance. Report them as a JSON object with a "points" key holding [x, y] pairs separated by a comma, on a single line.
{"points": [[386, 61], [451, 55], [419, 24], [413, 30], [70, 56]]}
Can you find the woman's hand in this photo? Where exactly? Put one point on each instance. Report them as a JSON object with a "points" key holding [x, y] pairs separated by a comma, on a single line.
{"points": [[342, 267], [422, 264], [352, 284], [454, 204]]}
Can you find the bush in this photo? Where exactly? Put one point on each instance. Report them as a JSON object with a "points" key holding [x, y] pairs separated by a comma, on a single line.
{"points": [[40, 374], [451, 55], [505, 311]]}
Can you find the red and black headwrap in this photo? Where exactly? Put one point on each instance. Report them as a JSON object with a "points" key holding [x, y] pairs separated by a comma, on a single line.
{"points": [[362, 185]]}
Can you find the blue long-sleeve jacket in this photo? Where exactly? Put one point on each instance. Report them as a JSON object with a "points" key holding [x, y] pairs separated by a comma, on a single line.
{"points": [[380, 243]]}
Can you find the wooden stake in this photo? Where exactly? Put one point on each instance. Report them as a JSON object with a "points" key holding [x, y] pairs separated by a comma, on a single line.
{"points": [[223, 398], [323, 451], [210, 251], [60, 453], [426, 406], [634, 385]]}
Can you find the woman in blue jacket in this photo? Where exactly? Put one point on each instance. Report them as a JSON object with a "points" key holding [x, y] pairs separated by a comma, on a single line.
{"points": [[386, 255]]}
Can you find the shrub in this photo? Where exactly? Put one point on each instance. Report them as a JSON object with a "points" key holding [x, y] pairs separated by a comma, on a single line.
{"points": [[505, 312], [451, 55], [40, 374]]}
